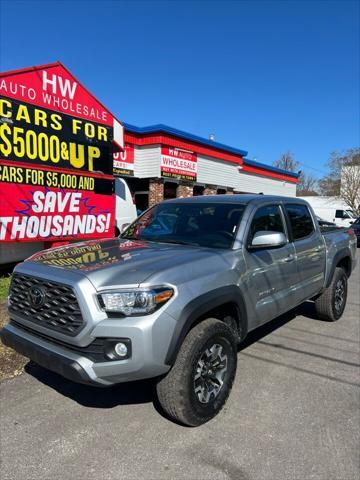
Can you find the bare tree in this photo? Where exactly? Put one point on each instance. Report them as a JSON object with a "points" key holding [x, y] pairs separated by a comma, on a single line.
{"points": [[350, 187], [344, 178], [287, 162], [329, 187], [307, 185]]}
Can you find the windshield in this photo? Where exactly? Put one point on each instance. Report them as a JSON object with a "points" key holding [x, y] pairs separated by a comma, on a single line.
{"points": [[351, 213], [207, 225]]}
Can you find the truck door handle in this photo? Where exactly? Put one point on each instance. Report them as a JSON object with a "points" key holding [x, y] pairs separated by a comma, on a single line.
{"points": [[289, 258]]}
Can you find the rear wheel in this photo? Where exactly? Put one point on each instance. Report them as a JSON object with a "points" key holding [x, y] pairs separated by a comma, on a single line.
{"points": [[199, 383], [330, 305]]}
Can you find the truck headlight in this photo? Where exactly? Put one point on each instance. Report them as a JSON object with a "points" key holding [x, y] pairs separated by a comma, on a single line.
{"points": [[135, 302]]}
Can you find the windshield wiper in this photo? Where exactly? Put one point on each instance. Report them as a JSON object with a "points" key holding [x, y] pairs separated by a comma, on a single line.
{"points": [[179, 242], [160, 240]]}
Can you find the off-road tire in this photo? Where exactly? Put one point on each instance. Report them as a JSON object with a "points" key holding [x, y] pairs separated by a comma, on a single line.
{"points": [[176, 392], [325, 304]]}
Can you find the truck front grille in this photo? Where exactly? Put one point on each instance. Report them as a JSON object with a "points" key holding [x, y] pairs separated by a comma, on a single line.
{"points": [[50, 304], [95, 351]]}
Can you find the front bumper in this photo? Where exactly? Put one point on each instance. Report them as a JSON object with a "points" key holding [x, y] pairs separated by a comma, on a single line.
{"points": [[68, 355], [79, 368], [54, 361]]}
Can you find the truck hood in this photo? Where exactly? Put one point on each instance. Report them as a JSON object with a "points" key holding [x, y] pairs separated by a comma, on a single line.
{"points": [[120, 262]]}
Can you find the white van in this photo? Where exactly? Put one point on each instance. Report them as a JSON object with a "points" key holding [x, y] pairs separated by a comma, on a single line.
{"points": [[125, 213], [125, 208], [332, 209]]}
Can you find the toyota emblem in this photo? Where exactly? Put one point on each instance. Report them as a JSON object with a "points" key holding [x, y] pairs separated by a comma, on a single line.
{"points": [[36, 296]]}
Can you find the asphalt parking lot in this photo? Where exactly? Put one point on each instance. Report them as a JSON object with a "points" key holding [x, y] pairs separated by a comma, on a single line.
{"points": [[294, 413]]}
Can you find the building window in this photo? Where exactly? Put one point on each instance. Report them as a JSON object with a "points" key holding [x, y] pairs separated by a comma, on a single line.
{"points": [[140, 192], [198, 190], [170, 190]]}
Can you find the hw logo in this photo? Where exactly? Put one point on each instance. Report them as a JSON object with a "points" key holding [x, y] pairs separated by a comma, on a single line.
{"points": [[57, 84]]}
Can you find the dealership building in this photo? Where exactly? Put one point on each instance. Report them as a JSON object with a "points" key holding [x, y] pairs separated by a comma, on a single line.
{"points": [[160, 162]]}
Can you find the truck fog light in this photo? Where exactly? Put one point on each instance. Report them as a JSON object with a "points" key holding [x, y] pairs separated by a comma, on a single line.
{"points": [[121, 349], [117, 348]]}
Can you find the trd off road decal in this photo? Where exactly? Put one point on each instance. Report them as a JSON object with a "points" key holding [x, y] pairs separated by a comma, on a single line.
{"points": [[91, 256]]}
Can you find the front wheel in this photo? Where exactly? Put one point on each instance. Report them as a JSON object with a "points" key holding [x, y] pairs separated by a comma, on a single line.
{"points": [[330, 305], [199, 383]]}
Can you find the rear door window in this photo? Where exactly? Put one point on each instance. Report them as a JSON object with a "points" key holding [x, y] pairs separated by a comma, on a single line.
{"points": [[300, 220]]}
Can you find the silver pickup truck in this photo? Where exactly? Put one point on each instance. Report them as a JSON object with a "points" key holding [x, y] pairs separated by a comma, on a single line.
{"points": [[175, 294]]}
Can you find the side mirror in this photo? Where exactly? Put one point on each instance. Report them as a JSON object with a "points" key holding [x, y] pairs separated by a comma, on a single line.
{"points": [[268, 239]]}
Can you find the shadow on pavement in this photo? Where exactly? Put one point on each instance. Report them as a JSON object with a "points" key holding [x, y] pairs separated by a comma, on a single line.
{"points": [[306, 309], [98, 397], [311, 354], [308, 342], [303, 370], [143, 391]]}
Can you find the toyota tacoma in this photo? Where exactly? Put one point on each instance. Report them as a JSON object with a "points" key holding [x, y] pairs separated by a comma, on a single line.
{"points": [[175, 295]]}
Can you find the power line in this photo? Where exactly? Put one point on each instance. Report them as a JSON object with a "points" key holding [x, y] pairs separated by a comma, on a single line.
{"points": [[322, 171], [312, 168]]}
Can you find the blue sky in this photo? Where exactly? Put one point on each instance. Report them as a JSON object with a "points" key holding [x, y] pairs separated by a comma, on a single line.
{"points": [[263, 76]]}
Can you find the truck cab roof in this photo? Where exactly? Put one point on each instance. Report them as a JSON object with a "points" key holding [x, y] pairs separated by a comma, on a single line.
{"points": [[237, 198]]}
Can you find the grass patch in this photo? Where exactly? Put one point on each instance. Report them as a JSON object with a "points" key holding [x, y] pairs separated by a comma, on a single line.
{"points": [[4, 287], [11, 362]]}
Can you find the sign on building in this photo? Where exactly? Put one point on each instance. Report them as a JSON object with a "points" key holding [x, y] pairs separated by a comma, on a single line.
{"points": [[178, 163], [124, 161]]}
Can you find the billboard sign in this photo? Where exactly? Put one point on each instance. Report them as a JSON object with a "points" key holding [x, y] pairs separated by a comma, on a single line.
{"points": [[56, 157], [77, 207]]}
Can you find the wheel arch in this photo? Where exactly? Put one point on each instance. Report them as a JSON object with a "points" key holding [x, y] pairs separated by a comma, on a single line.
{"points": [[227, 300], [341, 259]]}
